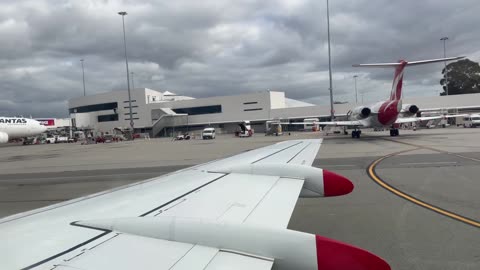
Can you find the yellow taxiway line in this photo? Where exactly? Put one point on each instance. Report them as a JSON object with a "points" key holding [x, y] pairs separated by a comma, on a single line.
{"points": [[371, 172]]}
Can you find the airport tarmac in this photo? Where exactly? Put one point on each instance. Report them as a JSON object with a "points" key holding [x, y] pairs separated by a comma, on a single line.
{"points": [[433, 170]]}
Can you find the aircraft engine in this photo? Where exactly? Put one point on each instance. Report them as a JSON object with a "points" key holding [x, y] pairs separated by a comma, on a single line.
{"points": [[3, 137], [361, 112], [409, 109]]}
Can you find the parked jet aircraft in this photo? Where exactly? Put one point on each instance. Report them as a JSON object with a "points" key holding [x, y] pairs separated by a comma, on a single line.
{"points": [[386, 114], [14, 127], [227, 214]]}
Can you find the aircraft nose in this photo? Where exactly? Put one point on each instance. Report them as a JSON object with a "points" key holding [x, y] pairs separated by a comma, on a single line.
{"points": [[42, 128]]}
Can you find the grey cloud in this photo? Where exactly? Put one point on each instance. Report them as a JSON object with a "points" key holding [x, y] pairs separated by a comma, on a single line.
{"points": [[221, 48]]}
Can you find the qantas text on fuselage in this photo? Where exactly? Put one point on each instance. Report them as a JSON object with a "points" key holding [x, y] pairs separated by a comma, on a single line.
{"points": [[13, 120]]}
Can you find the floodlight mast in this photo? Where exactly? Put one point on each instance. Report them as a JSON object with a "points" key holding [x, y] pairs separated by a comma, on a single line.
{"points": [[123, 14]]}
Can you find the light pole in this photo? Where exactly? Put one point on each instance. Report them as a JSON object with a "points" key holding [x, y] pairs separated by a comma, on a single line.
{"points": [[356, 95], [123, 13], [444, 39], [133, 84], [332, 111], [83, 73]]}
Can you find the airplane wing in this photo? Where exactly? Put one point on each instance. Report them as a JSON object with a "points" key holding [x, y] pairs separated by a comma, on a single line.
{"points": [[226, 214], [334, 123], [403, 120], [341, 123]]}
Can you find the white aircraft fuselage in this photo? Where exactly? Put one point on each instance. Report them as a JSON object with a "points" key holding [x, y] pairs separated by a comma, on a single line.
{"points": [[383, 114], [15, 127]]}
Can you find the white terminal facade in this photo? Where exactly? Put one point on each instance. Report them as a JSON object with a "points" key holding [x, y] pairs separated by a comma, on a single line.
{"points": [[163, 113]]}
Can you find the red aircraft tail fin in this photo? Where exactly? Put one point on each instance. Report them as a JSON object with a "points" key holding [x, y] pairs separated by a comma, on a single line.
{"points": [[396, 93]]}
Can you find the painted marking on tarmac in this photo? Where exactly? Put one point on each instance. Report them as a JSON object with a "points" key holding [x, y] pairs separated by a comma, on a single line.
{"points": [[345, 165], [434, 149], [373, 175], [429, 163]]}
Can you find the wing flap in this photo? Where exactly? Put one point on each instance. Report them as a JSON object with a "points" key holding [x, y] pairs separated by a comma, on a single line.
{"points": [[136, 252], [277, 206], [231, 199], [235, 261], [129, 252], [199, 257]]}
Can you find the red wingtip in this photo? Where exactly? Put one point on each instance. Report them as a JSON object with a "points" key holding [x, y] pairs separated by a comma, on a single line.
{"points": [[335, 184], [335, 255]]}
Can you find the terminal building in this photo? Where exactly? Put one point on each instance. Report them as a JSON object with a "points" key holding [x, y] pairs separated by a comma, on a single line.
{"points": [[164, 113]]}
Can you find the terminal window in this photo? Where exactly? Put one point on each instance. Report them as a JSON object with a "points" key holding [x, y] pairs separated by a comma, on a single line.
{"points": [[200, 110], [108, 118], [95, 107]]}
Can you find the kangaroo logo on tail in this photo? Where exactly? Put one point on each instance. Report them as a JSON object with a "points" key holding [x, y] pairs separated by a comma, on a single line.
{"points": [[396, 93]]}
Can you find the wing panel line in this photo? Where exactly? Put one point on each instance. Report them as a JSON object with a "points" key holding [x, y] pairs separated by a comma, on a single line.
{"points": [[108, 231], [299, 152], [274, 153], [66, 251], [264, 195], [183, 256]]}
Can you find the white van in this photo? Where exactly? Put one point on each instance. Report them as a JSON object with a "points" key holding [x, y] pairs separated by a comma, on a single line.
{"points": [[208, 133], [471, 121]]}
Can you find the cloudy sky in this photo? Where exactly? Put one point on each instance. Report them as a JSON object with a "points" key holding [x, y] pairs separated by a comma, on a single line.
{"points": [[216, 47]]}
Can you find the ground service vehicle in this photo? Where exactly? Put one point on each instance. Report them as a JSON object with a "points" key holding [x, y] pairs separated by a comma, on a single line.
{"points": [[182, 137], [208, 133], [471, 121], [244, 129]]}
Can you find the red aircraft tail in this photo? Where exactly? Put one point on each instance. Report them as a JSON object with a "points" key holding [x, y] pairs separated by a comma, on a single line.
{"points": [[396, 93]]}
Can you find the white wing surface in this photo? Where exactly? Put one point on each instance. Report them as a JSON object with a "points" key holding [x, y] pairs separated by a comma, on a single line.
{"points": [[341, 123], [403, 120], [46, 239], [334, 123]]}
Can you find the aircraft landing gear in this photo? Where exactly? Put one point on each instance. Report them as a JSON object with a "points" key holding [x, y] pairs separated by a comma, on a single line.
{"points": [[394, 132], [356, 134]]}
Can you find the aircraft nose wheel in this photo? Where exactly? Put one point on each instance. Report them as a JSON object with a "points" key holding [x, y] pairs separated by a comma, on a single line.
{"points": [[394, 132], [356, 134]]}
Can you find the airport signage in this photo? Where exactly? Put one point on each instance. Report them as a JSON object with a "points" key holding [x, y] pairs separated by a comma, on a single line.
{"points": [[47, 122]]}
